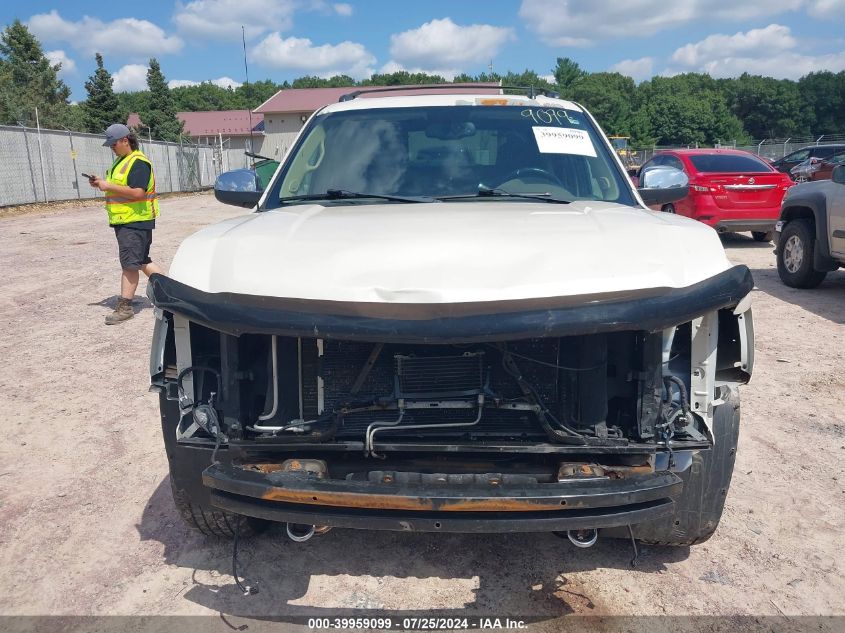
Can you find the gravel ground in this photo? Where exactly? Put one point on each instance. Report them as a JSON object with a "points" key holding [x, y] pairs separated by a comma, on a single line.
{"points": [[87, 525]]}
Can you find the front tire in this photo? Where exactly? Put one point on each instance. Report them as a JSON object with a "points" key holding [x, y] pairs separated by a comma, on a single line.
{"points": [[211, 521], [795, 255], [668, 208], [762, 236], [699, 507]]}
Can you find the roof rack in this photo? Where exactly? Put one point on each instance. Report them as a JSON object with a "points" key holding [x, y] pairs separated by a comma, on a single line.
{"points": [[531, 91]]}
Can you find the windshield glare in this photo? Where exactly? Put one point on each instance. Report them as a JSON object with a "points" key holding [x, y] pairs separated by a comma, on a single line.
{"points": [[452, 151]]}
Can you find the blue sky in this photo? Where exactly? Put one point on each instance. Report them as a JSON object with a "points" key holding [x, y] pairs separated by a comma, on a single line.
{"points": [[200, 40]]}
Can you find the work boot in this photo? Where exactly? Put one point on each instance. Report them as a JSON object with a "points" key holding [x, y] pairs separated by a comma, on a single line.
{"points": [[122, 312]]}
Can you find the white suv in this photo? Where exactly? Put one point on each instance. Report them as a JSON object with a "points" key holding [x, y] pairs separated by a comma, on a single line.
{"points": [[453, 312]]}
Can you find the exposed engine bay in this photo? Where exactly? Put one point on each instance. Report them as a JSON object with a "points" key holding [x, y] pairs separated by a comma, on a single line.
{"points": [[602, 390]]}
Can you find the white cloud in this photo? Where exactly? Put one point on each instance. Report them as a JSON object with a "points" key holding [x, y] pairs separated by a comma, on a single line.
{"points": [[182, 83], [637, 69], [60, 57], [771, 51], [125, 36], [341, 8], [442, 44], [300, 54], [550, 78], [226, 82], [754, 43], [223, 82], [223, 18], [826, 8], [130, 78], [567, 23]]}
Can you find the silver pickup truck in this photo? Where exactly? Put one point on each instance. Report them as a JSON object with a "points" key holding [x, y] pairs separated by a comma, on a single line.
{"points": [[812, 231]]}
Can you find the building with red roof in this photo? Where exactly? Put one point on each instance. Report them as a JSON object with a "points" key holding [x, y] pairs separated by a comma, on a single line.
{"points": [[273, 126], [235, 129], [286, 111]]}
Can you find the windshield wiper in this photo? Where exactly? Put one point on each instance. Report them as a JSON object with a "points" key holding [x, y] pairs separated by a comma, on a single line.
{"points": [[341, 194], [494, 192]]}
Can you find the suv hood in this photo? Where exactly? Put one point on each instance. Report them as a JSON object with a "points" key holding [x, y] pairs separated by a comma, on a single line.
{"points": [[448, 252]]}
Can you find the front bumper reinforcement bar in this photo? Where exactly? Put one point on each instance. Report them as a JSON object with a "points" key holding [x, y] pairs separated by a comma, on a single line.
{"points": [[443, 508]]}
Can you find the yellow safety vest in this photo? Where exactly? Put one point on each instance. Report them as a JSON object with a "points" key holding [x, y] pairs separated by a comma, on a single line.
{"points": [[121, 209]]}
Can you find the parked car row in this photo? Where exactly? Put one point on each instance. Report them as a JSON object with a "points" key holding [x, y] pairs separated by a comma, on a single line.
{"points": [[730, 190], [817, 168], [792, 160], [735, 191]]}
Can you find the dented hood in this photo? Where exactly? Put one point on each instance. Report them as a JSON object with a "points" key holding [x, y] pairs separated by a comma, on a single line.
{"points": [[448, 252]]}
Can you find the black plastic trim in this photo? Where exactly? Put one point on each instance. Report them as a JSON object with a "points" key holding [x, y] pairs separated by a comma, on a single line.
{"points": [[649, 310]]}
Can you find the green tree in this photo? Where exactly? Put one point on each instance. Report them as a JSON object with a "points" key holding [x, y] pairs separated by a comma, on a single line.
{"points": [[526, 79], [310, 81], [824, 101], [684, 110], [767, 107], [610, 99], [102, 107], [206, 96], [402, 77], [76, 118], [160, 113], [254, 94], [567, 72], [28, 80]]}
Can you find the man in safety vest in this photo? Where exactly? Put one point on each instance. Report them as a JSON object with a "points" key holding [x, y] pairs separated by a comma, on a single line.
{"points": [[132, 207]]}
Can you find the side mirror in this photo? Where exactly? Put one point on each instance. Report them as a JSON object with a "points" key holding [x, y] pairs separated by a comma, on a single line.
{"points": [[661, 185], [838, 174], [239, 187]]}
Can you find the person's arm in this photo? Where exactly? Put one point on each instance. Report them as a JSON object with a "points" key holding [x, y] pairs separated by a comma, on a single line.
{"points": [[136, 188], [133, 193]]}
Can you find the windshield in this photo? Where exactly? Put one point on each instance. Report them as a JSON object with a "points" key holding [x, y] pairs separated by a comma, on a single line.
{"points": [[728, 163], [444, 151]]}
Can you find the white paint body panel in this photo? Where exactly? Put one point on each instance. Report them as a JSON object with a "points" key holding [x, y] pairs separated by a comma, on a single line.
{"points": [[448, 252]]}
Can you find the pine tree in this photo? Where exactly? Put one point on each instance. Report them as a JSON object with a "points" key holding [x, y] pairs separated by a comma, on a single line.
{"points": [[567, 72], [28, 80], [102, 107], [160, 113]]}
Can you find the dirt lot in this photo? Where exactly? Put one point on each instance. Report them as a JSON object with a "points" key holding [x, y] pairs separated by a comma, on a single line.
{"points": [[87, 526]]}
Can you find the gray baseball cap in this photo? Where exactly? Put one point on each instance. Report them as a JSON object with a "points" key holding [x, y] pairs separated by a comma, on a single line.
{"points": [[115, 132]]}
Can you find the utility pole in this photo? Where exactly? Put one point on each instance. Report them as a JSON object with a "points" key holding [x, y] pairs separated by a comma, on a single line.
{"points": [[41, 157]]}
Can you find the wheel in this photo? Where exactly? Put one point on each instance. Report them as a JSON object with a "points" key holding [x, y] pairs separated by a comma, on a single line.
{"points": [[698, 508], [668, 208], [795, 255], [762, 236], [210, 521]]}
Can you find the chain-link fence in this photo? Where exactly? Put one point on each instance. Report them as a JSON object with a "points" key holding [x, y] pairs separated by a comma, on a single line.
{"points": [[47, 165], [772, 149]]}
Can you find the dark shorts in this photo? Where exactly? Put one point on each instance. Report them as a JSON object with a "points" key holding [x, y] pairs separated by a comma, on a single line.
{"points": [[133, 246]]}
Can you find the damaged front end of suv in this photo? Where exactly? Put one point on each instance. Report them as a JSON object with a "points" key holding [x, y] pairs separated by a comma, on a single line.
{"points": [[445, 316]]}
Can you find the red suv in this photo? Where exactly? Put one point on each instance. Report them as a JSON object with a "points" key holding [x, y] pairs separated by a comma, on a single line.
{"points": [[730, 190]]}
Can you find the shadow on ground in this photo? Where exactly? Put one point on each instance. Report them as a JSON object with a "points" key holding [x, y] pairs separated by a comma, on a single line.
{"points": [[509, 574], [826, 301], [138, 303], [742, 240]]}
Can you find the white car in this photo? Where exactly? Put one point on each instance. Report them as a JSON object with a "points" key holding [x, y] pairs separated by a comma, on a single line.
{"points": [[453, 313]]}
